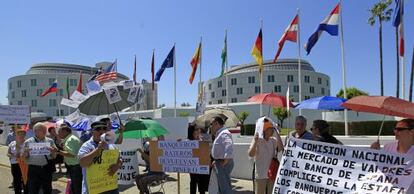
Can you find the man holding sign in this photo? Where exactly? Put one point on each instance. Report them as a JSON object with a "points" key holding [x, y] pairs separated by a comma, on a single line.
{"points": [[39, 151]]}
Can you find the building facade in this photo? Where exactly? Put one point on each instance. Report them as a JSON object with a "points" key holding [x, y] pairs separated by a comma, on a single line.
{"points": [[27, 89], [244, 81]]}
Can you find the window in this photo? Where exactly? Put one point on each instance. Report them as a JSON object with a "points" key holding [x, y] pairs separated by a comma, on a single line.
{"points": [[39, 92], [307, 97], [270, 78], [319, 80], [239, 91], [33, 82], [233, 100], [290, 78], [311, 90], [307, 79], [257, 89], [251, 80], [62, 112], [213, 95], [52, 102], [327, 82], [59, 92], [278, 88], [220, 102], [219, 84], [209, 86], [296, 89], [23, 93], [51, 81], [13, 95], [233, 81], [323, 91], [19, 102], [10, 86], [209, 102], [19, 84], [73, 82], [223, 93], [34, 103], [11, 103]]}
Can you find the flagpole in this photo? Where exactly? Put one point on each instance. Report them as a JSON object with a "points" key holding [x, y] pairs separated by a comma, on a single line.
{"points": [[262, 71], [343, 69], [402, 54], [299, 64], [153, 89], [135, 82], [227, 77], [200, 86], [175, 85]]}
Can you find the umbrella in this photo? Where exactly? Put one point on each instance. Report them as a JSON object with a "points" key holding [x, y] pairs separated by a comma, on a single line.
{"points": [[385, 105], [143, 128], [270, 99], [228, 115], [322, 103]]}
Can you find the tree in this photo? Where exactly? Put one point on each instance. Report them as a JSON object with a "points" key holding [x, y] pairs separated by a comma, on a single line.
{"points": [[242, 117], [184, 114], [161, 105], [351, 92], [185, 104], [382, 13], [281, 114]]}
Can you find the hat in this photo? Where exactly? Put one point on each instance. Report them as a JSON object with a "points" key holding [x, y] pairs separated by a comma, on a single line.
{"points": [[97, 124], [64, 126], [268, 125]]}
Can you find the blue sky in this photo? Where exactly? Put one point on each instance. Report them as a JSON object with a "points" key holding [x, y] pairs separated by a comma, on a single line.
{"points": [[86, 32]]}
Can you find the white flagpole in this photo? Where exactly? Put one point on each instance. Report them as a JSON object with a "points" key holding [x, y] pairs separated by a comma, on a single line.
{"points": [[343, 69], [175, 85], [299, 64], [261, 73], [227, 77], [402, 56]]}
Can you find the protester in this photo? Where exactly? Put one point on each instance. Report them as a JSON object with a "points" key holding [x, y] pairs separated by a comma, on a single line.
{"points": [[58, 141], [15, 151], [40, 166], [320, 132], [300, 129], [85, 135], [222, 152], [91, 150], [200, 180], [264, 150], [121, 128], [70, 149], [11, 136]]}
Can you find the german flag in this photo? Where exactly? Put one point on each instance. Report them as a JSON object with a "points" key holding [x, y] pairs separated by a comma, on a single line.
{"points": [[257, 51], [194, 62]]}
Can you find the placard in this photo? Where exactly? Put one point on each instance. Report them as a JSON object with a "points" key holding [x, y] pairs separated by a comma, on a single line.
{"points": [[180, 156], [316, 167], [97, 175], [133, 93], [129, 169], [69, 103], [36, 149], [128, 84], [112, 94], [15, 114]]}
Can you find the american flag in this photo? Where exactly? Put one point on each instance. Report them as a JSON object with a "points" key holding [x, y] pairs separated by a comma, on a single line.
{"points": [[108, 74]]}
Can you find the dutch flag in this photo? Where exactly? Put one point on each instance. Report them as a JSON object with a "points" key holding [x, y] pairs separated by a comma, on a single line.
{"points": [[329, 24]]}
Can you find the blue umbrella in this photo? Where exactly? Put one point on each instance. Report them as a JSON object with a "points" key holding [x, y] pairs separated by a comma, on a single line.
{"points": [[322, 103]]}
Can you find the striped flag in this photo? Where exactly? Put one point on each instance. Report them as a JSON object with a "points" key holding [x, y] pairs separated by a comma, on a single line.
{"points": [[194, 62], [398, 23], [108, 74], [52, 89], [291, 34], [257, 51]]}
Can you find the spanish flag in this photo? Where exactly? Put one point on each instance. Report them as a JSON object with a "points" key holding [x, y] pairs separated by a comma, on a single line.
{"points": [[257, 51], [194, 62]]}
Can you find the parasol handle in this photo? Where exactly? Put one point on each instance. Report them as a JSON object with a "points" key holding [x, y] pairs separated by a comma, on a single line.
{"points": [[117, 114], [382, 125]]}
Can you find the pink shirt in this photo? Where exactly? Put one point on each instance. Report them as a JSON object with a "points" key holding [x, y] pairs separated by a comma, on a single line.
{"points": [[392, 147]]}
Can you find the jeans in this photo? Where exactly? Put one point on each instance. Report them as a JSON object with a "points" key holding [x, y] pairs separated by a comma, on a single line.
{"points": [[39, 177], [75, 175], [223, 176], [18, 184]]}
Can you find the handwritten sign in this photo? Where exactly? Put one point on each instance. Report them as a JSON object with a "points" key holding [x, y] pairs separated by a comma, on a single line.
{"points": [[128, 171], [180, 156], [36, 149], [16, 114], [316, 167], [97, 175]]}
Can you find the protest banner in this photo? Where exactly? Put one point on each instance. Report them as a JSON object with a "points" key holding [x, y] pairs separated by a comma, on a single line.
{"points": [[128, 171], [112, 94], [180, 156], [316, 167], [97, 175], [36, 149], [15, 114]]}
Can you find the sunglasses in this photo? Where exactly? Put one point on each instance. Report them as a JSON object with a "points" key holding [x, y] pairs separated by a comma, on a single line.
{"points": [[101, 128], [402, 128]]}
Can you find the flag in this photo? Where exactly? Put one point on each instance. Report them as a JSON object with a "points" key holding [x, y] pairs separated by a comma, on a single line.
{"points": [[224, 56], [134, 77], [52, 89], [398, 23], [257, 51], [67, 86], [194, 62], [168, 62], [329, 24], [108, 74], [79, 88], [291, 34], [152, 70], [98, 72], [287, 99]]}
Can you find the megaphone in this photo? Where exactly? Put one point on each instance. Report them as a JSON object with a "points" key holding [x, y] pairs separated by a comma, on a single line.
{"points": [[108, 137]]}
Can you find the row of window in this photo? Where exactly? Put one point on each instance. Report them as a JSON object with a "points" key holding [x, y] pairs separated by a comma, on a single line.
{"points": [[277, 89], [33, 82], [60, 92], [270, 78], [33, 103]]}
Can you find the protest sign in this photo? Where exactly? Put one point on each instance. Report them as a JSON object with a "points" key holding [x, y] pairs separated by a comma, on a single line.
{"points": [[78, 97], [69, 103], [316, 167], [128, 171], [15, 114], [97, 175], [36, 149], [133, 93], [180, 156], [93, 87], [112, 94], [128, 84]]}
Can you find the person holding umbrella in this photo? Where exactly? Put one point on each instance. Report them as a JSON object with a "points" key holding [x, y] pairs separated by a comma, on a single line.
{"points": [[404, 135]]}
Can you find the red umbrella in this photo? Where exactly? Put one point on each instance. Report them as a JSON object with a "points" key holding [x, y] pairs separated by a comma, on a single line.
{"points": [[270, 99], [385, 105]]}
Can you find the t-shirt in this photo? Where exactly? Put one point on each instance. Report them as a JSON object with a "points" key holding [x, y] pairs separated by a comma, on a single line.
{"points": [[71, 144], [265, 151], [13, 151]]}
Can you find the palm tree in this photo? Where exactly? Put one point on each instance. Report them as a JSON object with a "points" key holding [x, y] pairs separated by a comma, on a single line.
{"points": [[382, 13]]}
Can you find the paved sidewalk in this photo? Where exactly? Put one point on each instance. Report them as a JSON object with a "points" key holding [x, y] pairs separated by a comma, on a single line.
{"points": [[240, 186]]}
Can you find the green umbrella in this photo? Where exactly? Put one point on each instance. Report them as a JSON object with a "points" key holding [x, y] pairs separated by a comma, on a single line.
{"points": [[143, 128]]}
